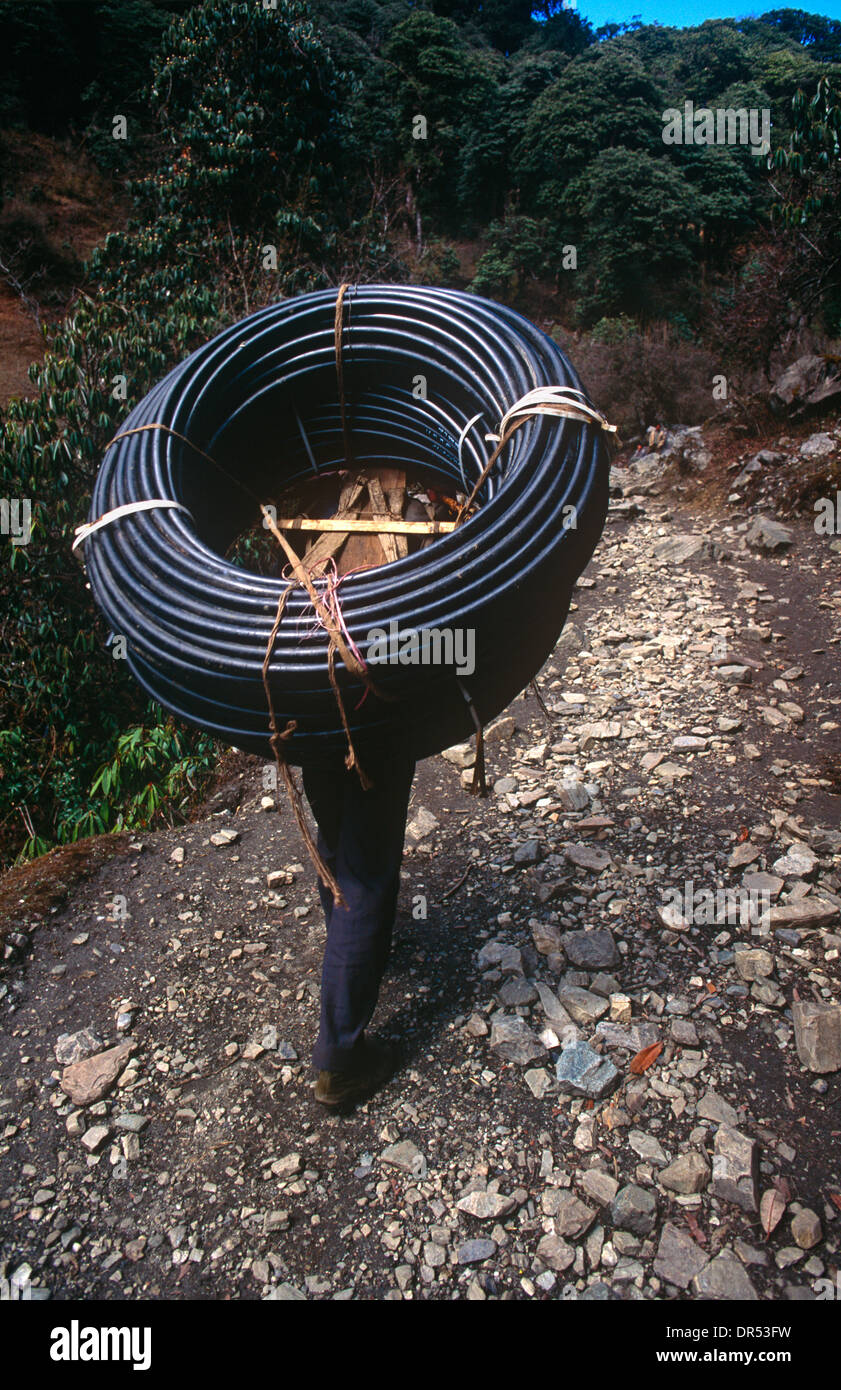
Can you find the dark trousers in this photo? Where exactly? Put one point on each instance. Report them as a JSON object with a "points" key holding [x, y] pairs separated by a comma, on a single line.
{"points": [[360, 836]]}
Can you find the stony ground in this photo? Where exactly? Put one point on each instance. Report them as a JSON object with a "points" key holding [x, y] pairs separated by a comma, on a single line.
{"points": [[619, 1081]]}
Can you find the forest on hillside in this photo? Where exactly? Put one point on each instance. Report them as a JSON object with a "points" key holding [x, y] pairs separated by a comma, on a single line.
{"points": [[267, 149]]}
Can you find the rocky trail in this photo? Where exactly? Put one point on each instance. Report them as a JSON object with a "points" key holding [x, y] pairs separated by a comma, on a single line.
{"points": [[616, 981]]}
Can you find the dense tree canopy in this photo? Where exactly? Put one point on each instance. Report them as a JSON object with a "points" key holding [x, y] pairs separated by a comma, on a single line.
{"points": [[363, 139]]}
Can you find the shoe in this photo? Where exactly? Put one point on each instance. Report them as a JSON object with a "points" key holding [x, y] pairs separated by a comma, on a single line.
{"points": [[338, 1089]]}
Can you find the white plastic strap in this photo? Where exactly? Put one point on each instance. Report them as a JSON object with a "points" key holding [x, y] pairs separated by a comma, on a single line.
{"points": [[465, 432], [88, 527], [552, 400]]}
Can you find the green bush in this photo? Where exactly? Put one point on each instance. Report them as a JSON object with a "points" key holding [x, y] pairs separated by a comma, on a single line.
{"points": [[246, 116]]}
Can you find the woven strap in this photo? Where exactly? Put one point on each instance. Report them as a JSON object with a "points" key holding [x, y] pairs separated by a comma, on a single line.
{"points": [[127, 509]]}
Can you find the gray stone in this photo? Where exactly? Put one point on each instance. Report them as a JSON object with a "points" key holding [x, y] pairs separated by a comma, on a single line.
{"points": [[406, 1157], [798, 861], [806, 1228], [588, 857], [632, 1039], [677, 549], [752, 962], [552, 1007], [762, 883], [599, 1185], [434, 1255], [766, 534], [287, 1167], [499, 955], [538, 1081], [647, 1147], [767, 993], [275, 1221], [527, 853], [572, 795], [735, 1168], [818, 446], [712, 1106], [798, 381], [474, 1252], [486, 1206], [817, 1035], [583, 1006], [512, 1039], [689, 743], [679, 1259], [133, 1124], [590, 950], [600, 730], [517, 992], [803, 912], [74, 1047], [95, 1137], [422, 825], [461, 754], [788, 1256], [581, 1071], [476, 1026], [735, 674], [634, 1209], [546, 937], [690, 1172], [555, 1253], [724, 1278], [224, 837], [500, 729], [571, 1216]]}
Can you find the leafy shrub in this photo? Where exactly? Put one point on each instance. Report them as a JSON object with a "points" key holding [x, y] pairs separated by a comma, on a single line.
{"points": [[155, 772], [517, 251], [638, 379], [231, 172]]}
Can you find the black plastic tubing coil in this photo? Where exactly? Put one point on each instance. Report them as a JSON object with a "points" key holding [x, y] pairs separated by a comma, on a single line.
{"points": [[261, 399]]}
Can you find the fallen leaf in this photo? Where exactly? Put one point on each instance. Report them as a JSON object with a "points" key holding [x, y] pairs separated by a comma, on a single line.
{"points": [[646, 1058], [744, 834], [836, 1198], [771, 1210]]}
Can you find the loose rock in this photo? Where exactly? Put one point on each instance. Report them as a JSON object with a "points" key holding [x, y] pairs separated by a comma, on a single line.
{"points": [[735, 1168], [817, 1033], [88, 1080]]}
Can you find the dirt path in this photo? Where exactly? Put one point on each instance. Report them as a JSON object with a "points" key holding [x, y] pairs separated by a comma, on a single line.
{"points": [[209, 1172]]}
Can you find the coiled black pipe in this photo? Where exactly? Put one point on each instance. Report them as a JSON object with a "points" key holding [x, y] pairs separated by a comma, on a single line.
{"points": [[261, 399]]}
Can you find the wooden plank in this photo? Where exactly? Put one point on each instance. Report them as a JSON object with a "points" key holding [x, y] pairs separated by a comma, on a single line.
{"points": [[393, 482], [380, 511], [367, 525], [327, 545]]}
